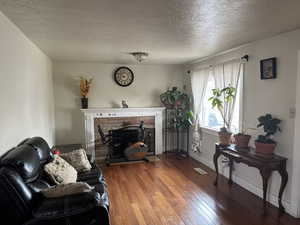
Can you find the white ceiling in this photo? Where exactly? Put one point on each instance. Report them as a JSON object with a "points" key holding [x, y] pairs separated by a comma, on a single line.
{"points": [[171, 31]]}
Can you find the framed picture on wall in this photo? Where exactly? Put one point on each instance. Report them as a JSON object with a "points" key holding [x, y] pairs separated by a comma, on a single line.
{"points": [[268, 68]]}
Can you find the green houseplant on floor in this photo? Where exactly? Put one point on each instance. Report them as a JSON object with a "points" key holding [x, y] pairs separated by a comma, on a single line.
{"points": [[180, 103]]}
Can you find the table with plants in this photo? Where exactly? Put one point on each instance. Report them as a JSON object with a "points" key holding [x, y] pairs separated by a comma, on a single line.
{"points": [[237, 150]]}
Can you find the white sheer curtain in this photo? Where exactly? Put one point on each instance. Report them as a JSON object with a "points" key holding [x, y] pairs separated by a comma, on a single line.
{"points": [[229, 74], [199, 82]]}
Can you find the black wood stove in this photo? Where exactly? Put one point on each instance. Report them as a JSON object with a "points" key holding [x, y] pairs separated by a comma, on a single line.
{"points": [[118, 140]]}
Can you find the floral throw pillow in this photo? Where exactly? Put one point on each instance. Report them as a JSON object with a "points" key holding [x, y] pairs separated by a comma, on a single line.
{"points": [[78, 159], [60, 171]]}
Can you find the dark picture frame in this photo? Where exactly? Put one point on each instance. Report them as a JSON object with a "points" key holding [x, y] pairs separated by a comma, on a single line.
{"points": [[268, 68]]}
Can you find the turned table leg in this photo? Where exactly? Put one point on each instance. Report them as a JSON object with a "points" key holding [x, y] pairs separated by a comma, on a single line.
{"points": [[284, 179], [265, 174], [230, 171], [216, 156]]}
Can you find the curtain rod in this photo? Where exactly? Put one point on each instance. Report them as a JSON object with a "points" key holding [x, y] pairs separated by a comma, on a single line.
{"points": [[245, 57]]}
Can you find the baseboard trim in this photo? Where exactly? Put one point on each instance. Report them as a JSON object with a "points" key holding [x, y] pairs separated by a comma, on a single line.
{"points": [[271, 198]]}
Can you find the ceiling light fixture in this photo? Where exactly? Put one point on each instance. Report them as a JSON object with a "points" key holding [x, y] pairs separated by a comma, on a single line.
{"points": [[139, 56]]}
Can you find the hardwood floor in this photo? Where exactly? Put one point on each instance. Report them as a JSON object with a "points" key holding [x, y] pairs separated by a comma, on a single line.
{"points": [[171, 192]]}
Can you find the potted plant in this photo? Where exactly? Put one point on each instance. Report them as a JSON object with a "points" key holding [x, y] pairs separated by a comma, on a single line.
{"points": [[180, 103], [242, 139], [181, 117], [264, 143], [222, 98], [85, 85], [173, 98]]}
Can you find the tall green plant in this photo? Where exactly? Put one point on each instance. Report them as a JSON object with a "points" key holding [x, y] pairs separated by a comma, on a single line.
{"points": [[180, 102], [183, 118], [221, 99]]}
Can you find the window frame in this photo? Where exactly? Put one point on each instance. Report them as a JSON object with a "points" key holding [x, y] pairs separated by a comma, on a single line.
{"points": [[214, 131]]}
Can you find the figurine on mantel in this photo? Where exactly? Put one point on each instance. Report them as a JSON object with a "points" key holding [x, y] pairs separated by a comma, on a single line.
{"points": [[124, 104]]}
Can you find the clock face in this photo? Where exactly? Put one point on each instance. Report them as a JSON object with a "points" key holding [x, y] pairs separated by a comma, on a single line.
{"points": [[123, 76]]}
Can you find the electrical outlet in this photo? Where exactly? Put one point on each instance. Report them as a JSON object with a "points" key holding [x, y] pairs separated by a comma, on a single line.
{"points": [[292, 112]]}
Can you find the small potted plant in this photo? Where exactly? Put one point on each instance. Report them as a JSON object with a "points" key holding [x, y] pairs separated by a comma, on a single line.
{"points": [[264, 143], [242, 139], [222, 98], [85, 85]]}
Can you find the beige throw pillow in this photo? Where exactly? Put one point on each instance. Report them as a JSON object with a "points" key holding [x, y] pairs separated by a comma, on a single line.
{"points": [[60, 171], [66, 189], [78, 159]]}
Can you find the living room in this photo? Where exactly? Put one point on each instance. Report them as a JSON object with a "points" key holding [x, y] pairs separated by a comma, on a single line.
{"points": [[76, 73]]}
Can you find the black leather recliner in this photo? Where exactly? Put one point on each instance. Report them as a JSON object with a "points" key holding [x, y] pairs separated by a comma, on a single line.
{"points": [[22, 178]]}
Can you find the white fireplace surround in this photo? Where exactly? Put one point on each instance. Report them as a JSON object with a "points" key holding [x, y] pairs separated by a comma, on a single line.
{"points": [[92, 113]]}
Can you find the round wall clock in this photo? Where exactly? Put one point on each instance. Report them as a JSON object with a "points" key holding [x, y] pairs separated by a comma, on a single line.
{"points": [[123, 76]]}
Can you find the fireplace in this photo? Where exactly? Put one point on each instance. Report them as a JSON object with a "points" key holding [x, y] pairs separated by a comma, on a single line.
{"points": [[114, 118], [113, 123]]}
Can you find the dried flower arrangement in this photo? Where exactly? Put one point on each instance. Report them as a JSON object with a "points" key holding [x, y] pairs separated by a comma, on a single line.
{"points": [[85, 84]]}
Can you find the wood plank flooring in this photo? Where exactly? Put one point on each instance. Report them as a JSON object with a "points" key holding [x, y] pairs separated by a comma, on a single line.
{"points": [[170, 192]]}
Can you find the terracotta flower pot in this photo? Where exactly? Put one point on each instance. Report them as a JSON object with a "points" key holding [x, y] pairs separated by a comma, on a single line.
{"points": [[224, 138], [264, 148], [242, 140]]}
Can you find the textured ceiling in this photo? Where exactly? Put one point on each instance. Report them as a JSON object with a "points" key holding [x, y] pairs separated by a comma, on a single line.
{"points": [[172, 31]]}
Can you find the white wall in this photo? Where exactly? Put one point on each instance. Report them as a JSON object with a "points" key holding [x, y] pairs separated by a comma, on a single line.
{"points": [[26, 94], [276, 96], [296, 154], [149, 82]]}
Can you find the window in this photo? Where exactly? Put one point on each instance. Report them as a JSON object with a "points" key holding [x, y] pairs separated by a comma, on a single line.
{"points": [[219, 76], [211, 116]]}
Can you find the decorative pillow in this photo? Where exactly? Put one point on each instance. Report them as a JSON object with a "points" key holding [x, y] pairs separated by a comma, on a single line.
{"points": [[60, 171], [66, 189], [78, 159]]}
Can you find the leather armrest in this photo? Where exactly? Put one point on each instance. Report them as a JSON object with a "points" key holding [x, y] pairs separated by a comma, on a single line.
{"points": [[67, 205]]}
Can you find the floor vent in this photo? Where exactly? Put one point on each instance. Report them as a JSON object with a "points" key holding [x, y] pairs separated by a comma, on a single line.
{"points": [[200, 171]]}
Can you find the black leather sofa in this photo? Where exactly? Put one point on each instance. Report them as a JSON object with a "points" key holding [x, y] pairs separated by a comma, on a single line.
{"points": [[22, 178]]}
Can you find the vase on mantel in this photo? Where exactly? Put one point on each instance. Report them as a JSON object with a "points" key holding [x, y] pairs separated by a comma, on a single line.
{"points": [[84, 103]]}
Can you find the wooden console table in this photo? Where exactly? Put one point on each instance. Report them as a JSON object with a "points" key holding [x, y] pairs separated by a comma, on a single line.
{"points": [[266, 164]]}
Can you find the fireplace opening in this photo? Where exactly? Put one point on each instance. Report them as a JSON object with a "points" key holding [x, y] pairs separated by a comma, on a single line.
{"points": [[114, 124]]}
